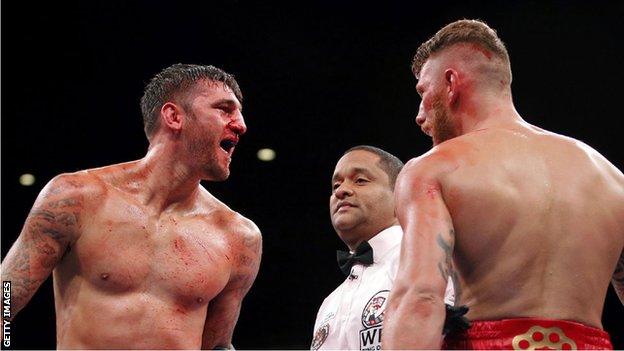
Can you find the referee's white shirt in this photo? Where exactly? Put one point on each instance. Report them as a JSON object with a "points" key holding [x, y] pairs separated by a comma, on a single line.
{"points": [[351, 317]]}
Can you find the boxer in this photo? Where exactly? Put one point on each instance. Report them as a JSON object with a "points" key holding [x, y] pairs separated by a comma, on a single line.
{"points": [[142, 255], [529, 224]]}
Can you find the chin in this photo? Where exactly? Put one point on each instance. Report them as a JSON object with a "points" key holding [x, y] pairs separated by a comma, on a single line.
{"points": [[216, 175], [343, 224], [222, 177]]}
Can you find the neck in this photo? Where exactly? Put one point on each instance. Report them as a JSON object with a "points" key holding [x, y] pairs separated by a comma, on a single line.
{"points": [[354, 239], [166, 179], [487, 110]]}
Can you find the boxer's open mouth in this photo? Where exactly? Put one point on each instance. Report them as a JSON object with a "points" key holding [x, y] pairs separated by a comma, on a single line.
{"points": [[228, 144]]}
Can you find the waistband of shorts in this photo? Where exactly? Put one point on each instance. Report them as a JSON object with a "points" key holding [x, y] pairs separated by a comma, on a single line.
{"points": [[509, 327], [529, 333]]}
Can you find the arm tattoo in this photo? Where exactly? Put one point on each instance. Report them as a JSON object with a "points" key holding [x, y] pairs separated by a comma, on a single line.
{"points": [[47, 233], [57, 219], [445, 266]]}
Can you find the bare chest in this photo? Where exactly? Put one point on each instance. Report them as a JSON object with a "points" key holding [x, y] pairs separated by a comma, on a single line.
{"points": [[123, 249]]}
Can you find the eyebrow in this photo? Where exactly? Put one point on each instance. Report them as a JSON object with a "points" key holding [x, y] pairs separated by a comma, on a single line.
{"points": [[228, 102], [355, 170]]}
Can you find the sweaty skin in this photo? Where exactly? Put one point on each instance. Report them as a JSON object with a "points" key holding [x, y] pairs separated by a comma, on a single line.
{"points": [[526, 222], [142, 255]]}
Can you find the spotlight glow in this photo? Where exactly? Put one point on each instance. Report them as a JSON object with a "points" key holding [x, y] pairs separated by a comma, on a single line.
{"points": [[266, 155], [27, 179]]}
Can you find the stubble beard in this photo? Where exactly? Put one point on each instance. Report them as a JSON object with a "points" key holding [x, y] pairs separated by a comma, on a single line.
{"points": [[212, 168], [202, 151], [442, 129]]}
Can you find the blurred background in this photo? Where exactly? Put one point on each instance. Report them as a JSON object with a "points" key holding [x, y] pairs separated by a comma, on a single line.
{"points": [[318, 78]]}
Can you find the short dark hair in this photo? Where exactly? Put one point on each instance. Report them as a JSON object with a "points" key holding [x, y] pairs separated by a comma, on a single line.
{"points": [[462, 31], [389, 163], [173, 82]]}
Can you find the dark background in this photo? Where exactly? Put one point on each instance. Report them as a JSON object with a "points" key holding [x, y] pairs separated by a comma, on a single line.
{"points": [[318, 78]]}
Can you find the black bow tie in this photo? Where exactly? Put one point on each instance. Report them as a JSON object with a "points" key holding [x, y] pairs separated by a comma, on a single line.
{"points": [[363, 254]]}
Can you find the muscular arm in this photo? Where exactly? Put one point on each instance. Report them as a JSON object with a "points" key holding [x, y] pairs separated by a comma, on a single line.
{"points": [[51, 227], [415, 314], [224, 309], [618, 278]]}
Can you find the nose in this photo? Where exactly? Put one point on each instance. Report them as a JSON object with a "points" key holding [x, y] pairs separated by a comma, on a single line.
{"points": [[237, 124], [420, 117], [343, 191]]}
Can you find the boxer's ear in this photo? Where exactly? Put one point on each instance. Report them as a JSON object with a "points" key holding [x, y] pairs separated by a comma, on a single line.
{"points": [[451, 80], [172, 116]]}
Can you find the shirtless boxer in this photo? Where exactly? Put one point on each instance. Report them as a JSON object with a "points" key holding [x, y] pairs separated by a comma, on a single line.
{"points": [[142, 255], [529, 223]]}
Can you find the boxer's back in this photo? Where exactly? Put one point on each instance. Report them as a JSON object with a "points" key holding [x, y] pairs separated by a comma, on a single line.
{"points": [[539, 222]]}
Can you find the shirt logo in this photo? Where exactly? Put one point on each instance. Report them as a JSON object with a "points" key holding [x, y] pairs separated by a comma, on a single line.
{"points": [[372, 320], [320, 336], [373, 313]]}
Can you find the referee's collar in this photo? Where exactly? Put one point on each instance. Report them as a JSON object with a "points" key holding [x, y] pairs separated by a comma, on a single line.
{"points": [[385, 241]]}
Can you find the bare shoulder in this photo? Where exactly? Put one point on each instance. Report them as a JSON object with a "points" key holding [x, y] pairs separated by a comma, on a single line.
{"points": [[601, 161], [245, 241], [61, 207], [583, 151], [437, 162], [245, 225], [240, 230], [246, 231], [81, 184], [74, 192]]}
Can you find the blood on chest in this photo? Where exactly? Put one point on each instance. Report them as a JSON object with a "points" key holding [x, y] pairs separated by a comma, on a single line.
{"points": [[191, 268], [179, 260], [115, 256]]}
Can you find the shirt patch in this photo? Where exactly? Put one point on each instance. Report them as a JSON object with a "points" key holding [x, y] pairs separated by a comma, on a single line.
{"points": [[372, 320], [373, 313], [320, 336]]}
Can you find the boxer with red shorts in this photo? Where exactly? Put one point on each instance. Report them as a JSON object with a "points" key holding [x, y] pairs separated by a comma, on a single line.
{"points": [[527, 222]]}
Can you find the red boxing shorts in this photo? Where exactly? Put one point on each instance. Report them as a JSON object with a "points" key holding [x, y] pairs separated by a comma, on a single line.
{"points": [[528, 334]]}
